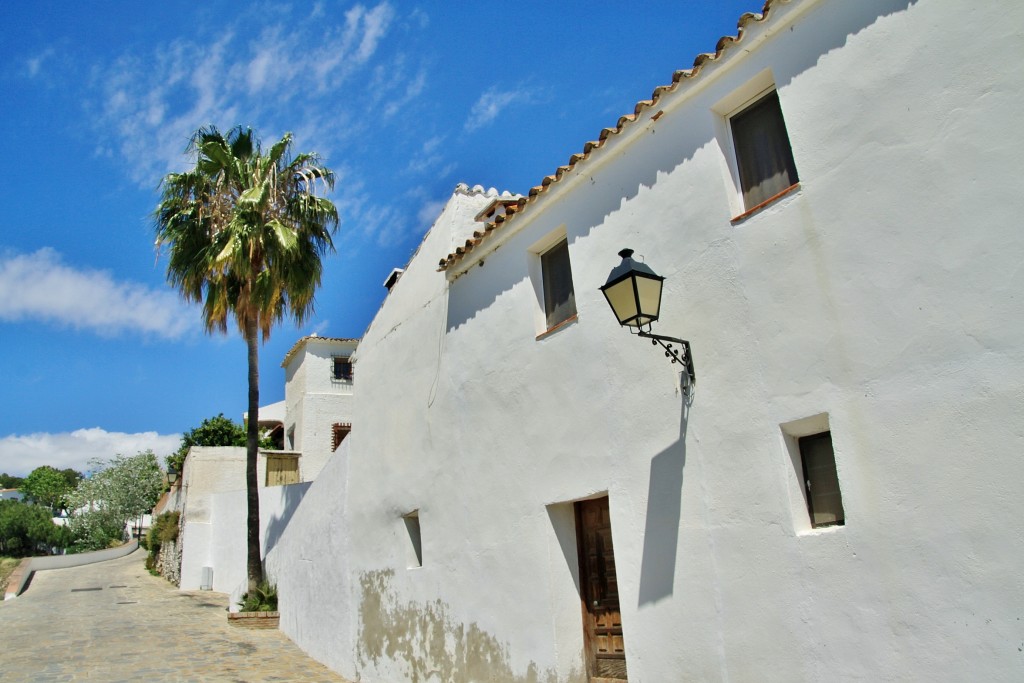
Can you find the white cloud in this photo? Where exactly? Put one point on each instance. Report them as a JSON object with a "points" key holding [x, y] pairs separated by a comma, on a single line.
{"points": [[34, 65], [146, 105], [398, 88], [375, 25], [429, 212], [492, 103], [427, 157], [39, 286], [22, 453]]}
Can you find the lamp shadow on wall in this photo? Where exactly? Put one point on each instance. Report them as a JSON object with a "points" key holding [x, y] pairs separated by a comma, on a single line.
{"points": [[661, 530]]}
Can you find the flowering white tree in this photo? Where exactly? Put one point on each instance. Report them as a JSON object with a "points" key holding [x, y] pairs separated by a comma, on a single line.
{"points": [[117, 491]]}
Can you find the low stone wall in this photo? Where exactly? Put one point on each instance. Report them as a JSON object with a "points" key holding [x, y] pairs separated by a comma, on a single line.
{"points": [[20, 578], [169, 562]]}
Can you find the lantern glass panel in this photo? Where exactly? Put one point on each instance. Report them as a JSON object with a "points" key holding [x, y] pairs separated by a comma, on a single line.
{"points": [[622, 300], [649, 291]]}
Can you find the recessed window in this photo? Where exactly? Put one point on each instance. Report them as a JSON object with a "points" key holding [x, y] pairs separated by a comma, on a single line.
{"points": [[559, 298], [342, 368], [415, 550], [821, 482], [339, 430], [764, 158]]}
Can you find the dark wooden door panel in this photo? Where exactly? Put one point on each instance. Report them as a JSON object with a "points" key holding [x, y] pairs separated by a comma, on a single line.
{"points": [[602, 618]]}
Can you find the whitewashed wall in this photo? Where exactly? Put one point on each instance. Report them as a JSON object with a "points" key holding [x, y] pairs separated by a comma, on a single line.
{"points": [[214, 512], [309, 564], [314, 400], [883, 293]]}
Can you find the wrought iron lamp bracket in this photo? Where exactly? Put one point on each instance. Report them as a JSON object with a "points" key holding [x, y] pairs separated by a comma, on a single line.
{"points": [[683, 356]]}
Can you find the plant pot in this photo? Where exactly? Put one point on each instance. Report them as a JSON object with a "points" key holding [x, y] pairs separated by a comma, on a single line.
{"points": [[254, 619]]}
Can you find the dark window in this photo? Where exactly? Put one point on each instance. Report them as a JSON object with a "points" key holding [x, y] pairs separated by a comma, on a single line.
{"points": [[824, 500], [763, 155], [342, 368], [339, 430], [559, 299]]}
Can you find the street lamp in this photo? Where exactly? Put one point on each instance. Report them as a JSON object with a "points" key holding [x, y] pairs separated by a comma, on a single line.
{"points": [[633, 291], [172, 475]]}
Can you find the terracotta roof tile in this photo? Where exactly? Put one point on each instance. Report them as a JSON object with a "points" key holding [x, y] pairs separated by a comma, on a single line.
{"points": [[512, 209]]}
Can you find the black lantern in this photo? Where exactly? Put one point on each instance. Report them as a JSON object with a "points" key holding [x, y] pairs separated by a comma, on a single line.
{"points": [[633, 291], [172, 475]]}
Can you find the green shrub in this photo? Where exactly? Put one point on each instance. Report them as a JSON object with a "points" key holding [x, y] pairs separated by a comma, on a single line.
{"points": [[163, 530], [263, 599]]}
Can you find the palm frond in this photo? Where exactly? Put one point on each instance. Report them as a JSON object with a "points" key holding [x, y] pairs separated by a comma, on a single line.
{"points": [[245, 232]]}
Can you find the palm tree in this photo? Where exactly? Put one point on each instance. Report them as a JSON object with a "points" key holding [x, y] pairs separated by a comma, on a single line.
{"points": [[245, 233]]}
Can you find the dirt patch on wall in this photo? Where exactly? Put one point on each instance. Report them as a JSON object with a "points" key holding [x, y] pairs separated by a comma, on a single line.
{"points": [[431, 646]]}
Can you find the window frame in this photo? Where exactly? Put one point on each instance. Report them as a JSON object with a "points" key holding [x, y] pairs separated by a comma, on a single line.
{"points": [[271, 470], [741, 156], [339, 432], [538, 260], [344, 360], [804, 445], [735, 101]]}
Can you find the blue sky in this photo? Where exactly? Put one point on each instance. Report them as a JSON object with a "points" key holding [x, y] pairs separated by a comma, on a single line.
{"points": [[98, 356]]}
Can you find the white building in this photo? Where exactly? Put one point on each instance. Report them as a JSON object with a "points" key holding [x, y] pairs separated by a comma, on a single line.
{"points": [[318, 390], [831, 198], [314, 419]]}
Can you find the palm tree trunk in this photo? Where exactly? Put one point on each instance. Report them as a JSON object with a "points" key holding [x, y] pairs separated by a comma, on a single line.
{"points": [[254, 561]]}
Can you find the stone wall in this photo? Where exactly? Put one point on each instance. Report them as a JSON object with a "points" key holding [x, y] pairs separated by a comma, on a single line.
{"points": [[169, 562]]}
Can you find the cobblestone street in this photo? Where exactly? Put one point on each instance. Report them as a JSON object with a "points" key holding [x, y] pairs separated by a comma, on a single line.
{"points": [[113, 621]]}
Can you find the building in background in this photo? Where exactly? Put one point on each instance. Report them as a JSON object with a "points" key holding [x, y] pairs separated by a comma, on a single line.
{"points": [[309, 425]]}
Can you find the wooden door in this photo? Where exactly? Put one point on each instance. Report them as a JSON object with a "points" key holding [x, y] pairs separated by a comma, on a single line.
{"points": [[602, 620]]}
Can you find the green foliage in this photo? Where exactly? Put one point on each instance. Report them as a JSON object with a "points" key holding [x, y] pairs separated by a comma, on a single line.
{"points": [[29, 530], [263, 598], [95, 529], [50, 487], [163, 530], [246, 229], [8, 481], [119, 490], [214, 431]]}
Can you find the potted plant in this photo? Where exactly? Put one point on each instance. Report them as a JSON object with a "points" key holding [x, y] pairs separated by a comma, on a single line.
{"points": [[258, 608]]}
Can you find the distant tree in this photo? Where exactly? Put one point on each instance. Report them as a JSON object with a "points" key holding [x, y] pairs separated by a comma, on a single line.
{"points": [[214, 431], [50, 487], [8, 481], [119, 490], [28, 530], [246, 233], [72, 477]]}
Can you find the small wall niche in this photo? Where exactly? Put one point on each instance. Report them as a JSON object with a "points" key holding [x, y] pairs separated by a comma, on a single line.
{"points": [[414, 551]]}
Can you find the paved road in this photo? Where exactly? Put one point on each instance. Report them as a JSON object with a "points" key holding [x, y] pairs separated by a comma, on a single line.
{"points": [[136, 627]]}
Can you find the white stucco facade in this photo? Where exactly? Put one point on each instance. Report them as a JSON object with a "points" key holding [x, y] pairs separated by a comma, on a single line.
{"points": [[212, 501], [878, 300], [211, 495], [315, 399]]}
